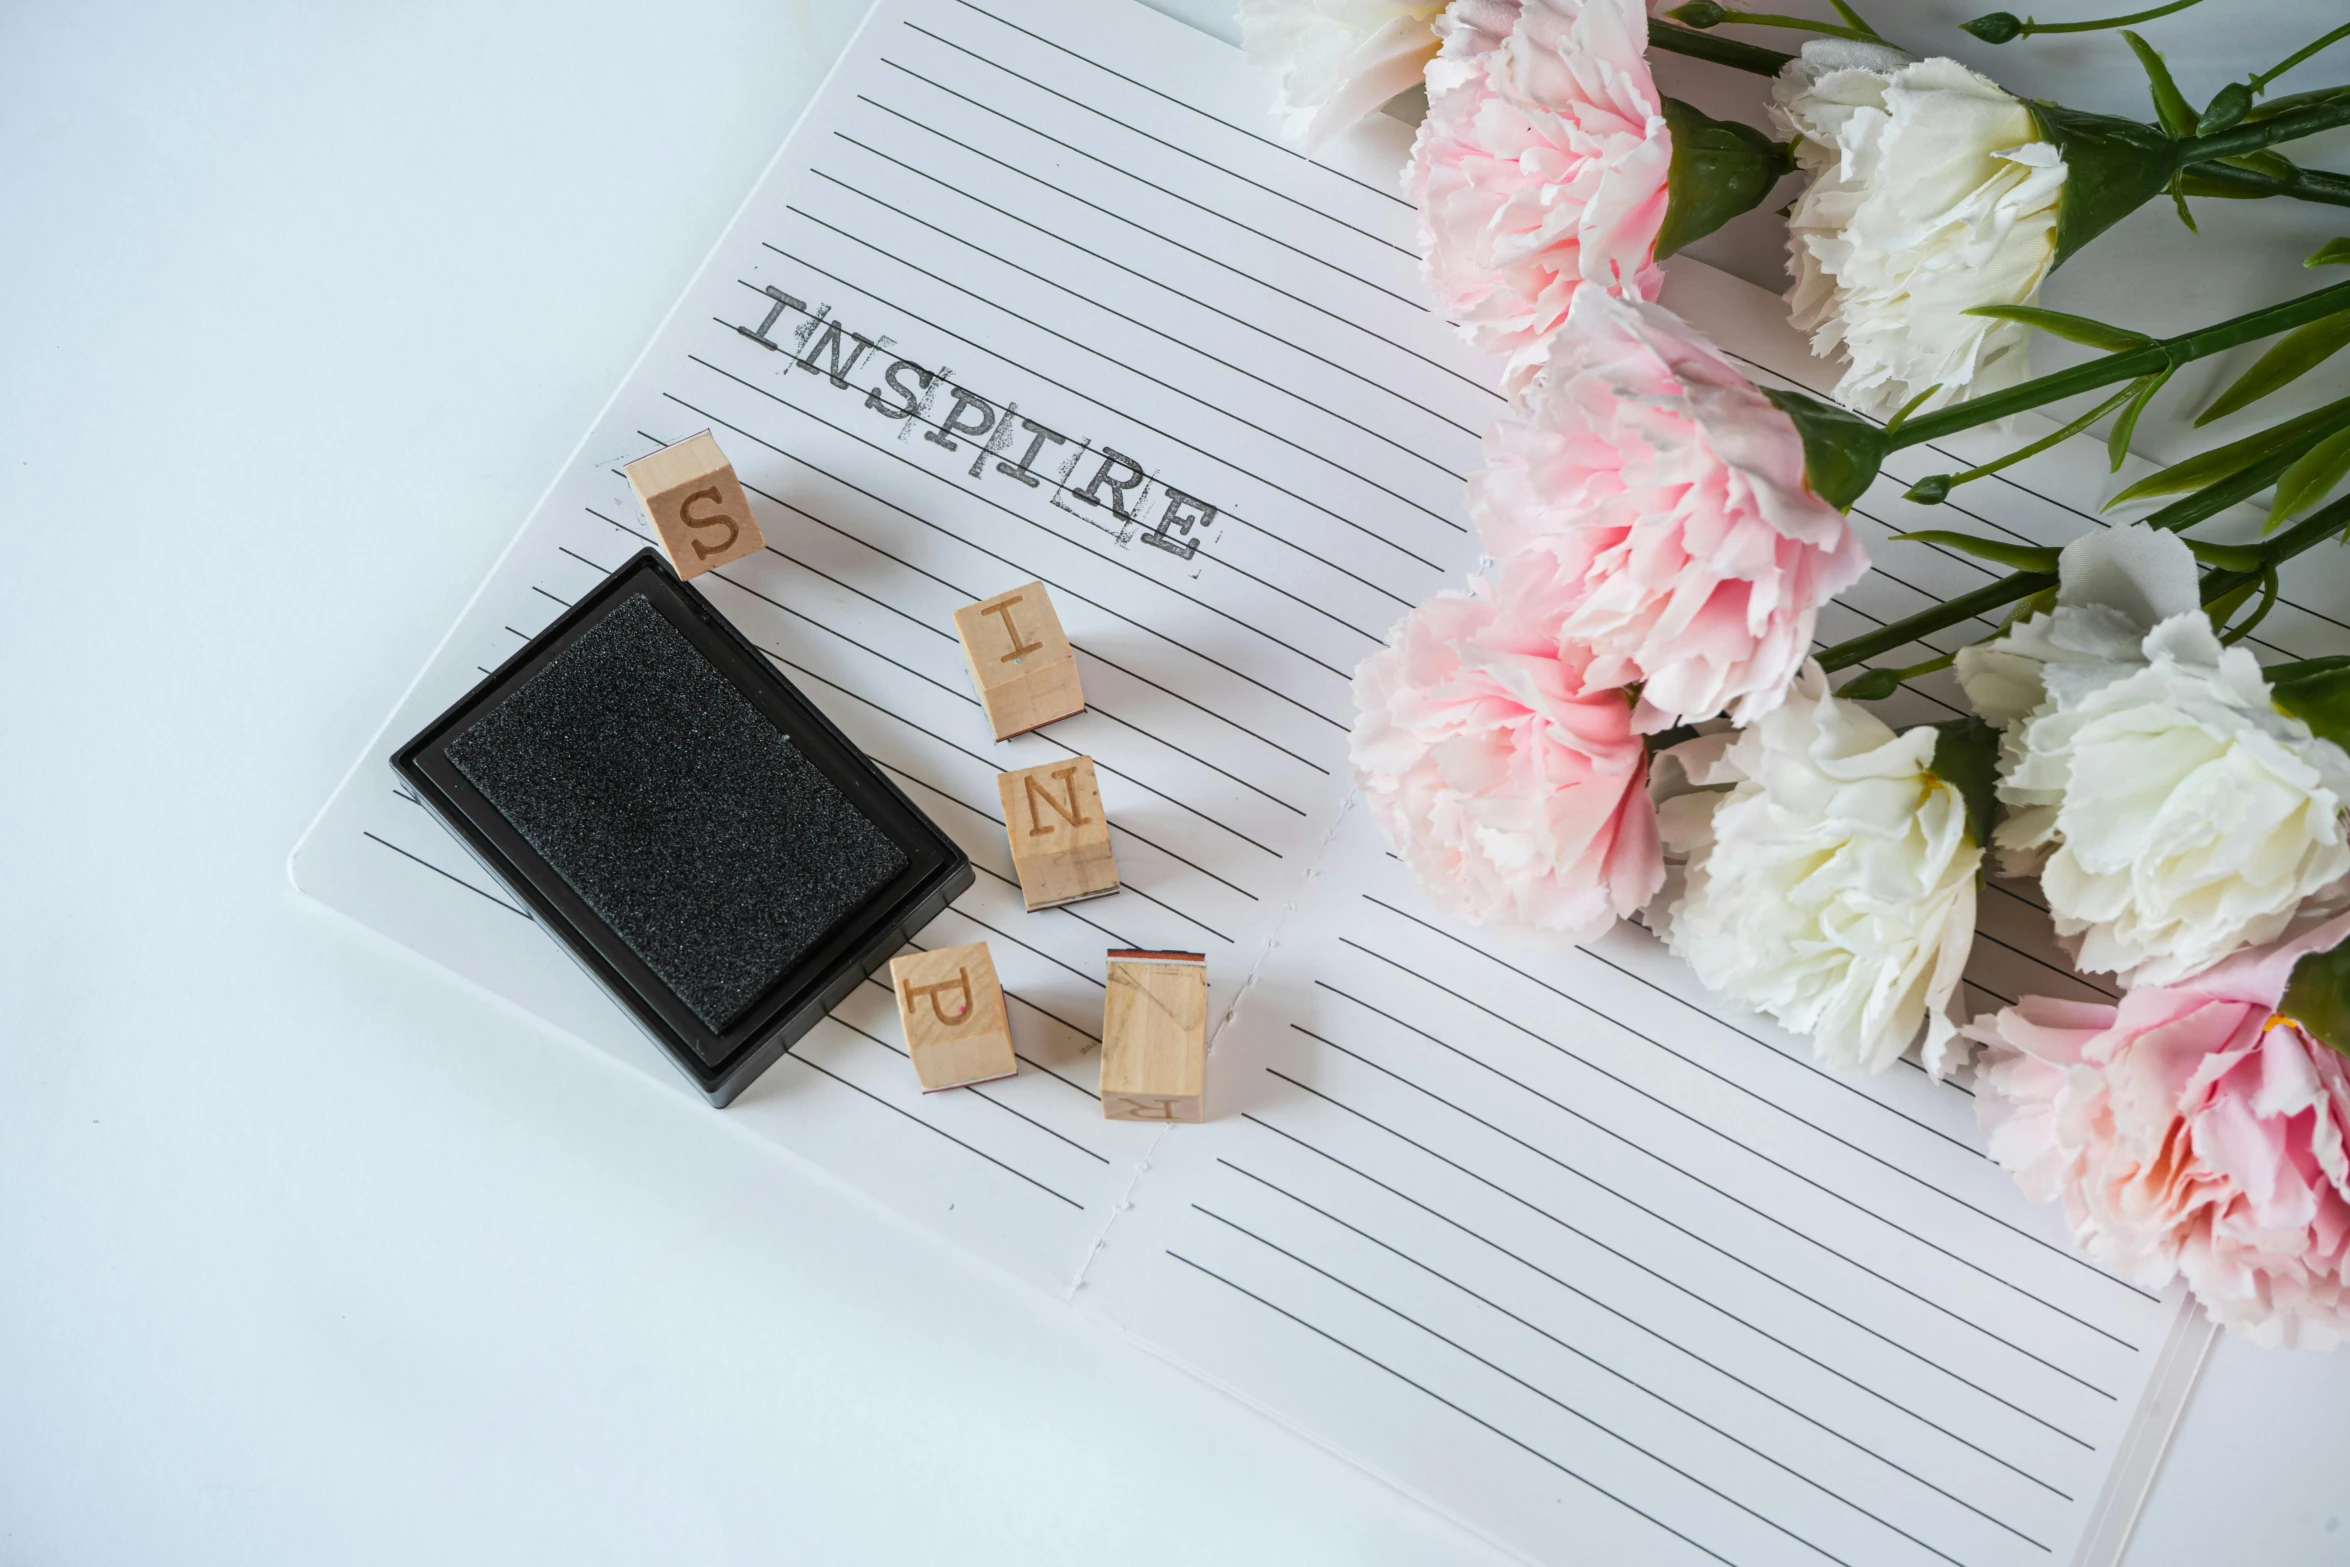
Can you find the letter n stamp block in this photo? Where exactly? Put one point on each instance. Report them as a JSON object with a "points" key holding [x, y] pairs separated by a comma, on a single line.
{"points": [[1060, 835], [953, 1013], [697, 505]]}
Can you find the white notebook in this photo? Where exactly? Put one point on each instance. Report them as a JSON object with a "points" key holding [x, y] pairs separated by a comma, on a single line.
{"points": [[1534, 1231]]}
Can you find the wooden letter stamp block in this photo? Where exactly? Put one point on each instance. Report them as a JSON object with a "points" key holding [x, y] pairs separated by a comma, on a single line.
{"points": [[697, 505], [1155, 1037], [953, 1012], [1020, 661], [1060, 837]]}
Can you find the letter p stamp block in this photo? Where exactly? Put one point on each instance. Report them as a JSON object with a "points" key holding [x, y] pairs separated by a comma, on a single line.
{"points": [[952, 1009]]}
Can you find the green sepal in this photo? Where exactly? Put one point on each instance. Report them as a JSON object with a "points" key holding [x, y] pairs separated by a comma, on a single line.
{"points": [[2113, 167], [1720, 169], [1966, 757], [2021, 557], [1999, 27], [2317, 997], [1841, 451], [2171, 109], [2073, 329]]}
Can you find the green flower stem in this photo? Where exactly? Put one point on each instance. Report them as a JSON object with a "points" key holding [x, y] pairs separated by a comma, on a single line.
{"points": [[2326, 522], [2234, 180], [2165, 353], [1738, 56], [2297, 56], [1900, 633], [2253, 135], [2178, 516], [1797, 23], [2132, 20]]}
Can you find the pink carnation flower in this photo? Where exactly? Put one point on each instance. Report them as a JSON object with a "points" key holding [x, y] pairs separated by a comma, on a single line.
{"points": [[1541, 167], [1514, 790], [1671, 496], [2190, 1131]]}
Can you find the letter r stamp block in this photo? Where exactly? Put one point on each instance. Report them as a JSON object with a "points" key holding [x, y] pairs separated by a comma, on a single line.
{"points": [[952, 1009]]}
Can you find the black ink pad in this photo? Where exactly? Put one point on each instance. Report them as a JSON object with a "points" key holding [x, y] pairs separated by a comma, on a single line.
{"points": [[695, 831]]}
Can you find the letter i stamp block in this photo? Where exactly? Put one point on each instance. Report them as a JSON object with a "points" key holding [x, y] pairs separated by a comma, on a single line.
{"points": [[1020, 660], [953, 1013]]}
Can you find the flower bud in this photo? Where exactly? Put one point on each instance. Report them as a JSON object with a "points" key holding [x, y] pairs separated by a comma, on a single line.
{"points": [[1700, 14], [2228, 106], [1932, 490], [1998, 28]]}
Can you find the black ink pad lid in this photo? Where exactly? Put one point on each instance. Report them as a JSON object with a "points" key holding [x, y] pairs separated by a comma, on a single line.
{"points": [[698, 835]]}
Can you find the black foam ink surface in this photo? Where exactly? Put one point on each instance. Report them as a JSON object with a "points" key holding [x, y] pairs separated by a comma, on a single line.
{"points": [[717, 851]]}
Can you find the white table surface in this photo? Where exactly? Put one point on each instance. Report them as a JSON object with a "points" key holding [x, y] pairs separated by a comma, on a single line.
{"points": [[310, 1253]]}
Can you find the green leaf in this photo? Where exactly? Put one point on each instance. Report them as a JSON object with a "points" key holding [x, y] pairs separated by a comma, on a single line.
{"points": [[1901, 415], [2310, 480], [2021, 557], [2117, 440], [2268, 601], [1841, 451], [2320, 698], [2333, 253], [2178, 199], [2303, 668], [2227, 108], [2170, 104], [2227, 557], [1720, 169], [2073, 329], [1874, 686], [2317, 997], [1852, 18], [1966, 757], [2222, 462], [2288, 359]]}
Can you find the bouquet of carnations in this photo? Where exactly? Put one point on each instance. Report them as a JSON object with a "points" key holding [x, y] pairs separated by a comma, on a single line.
{"points": [[1623, 715]]}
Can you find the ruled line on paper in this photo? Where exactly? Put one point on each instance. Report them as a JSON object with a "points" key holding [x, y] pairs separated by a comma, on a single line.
{"points": [[1266, 141], [1633, 1320]]}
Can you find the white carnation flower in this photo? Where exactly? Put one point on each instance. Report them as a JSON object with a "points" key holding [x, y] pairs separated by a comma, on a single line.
{"points": [[2173, 814], [1832, 885], [1930, 193], [1335, 61]]}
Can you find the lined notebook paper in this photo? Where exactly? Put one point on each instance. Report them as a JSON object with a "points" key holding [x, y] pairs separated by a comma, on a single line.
{"points": [[1535, 1232]]}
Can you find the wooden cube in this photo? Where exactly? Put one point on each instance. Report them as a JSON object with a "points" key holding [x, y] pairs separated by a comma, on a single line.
{"points": [[1021, 663], [1155, 1037], [697, 505], [1060, 835], [953, 1013]]}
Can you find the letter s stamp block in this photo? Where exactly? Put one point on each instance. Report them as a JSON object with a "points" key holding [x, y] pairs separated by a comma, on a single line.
{"points": [[698, 507]]}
